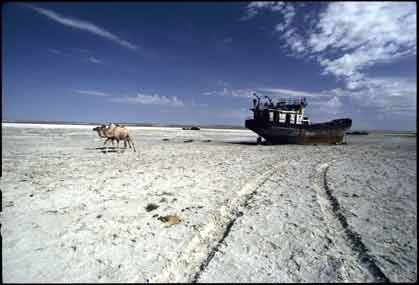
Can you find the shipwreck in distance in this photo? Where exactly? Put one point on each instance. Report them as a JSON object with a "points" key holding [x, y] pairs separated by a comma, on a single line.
{"points": [[284, 122]]}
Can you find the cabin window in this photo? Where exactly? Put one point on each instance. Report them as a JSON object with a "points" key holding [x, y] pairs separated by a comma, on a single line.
{"points": [[281, 117], [292, 119], [271, 116]]}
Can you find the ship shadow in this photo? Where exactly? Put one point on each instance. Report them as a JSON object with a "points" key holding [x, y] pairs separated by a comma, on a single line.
{"points": [[249, 143]]}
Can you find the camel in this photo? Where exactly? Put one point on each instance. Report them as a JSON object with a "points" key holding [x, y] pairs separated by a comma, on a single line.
{"points": [[100, 133], [115, 132]]}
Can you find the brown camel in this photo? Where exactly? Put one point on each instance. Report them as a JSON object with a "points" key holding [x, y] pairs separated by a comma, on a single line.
{"points": [[100, 133], [116, 132]]}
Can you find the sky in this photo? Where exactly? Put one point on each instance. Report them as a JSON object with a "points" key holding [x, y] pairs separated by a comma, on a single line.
{"points": [[199, 63]]}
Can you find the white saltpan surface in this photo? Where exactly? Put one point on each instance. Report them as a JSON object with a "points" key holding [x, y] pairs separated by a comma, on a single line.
{"points": [[72, 213]]}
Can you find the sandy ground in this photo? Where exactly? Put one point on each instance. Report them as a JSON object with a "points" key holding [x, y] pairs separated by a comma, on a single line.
{"points": [[75, 213]]}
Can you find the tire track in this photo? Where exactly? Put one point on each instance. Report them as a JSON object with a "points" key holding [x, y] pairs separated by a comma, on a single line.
{"points": [[201, 249], [354, 239]]}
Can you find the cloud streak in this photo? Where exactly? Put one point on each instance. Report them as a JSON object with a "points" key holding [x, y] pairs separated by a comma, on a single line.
{"points": [[246, 93], [140, 98], [91, 93], [148, 99], [255, 8], [291, 93], [54, 51], [84, 26], [94, 60]]}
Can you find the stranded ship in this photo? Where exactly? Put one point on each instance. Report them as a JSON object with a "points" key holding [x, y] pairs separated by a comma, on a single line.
{"points": [[284, 122]]}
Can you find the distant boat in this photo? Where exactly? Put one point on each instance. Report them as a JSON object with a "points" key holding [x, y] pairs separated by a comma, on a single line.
{"points": [[284, 123], [192, 128], [357, 133]]}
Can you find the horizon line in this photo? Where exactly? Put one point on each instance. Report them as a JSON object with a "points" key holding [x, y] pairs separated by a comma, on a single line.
{"points": [[143, 124]]}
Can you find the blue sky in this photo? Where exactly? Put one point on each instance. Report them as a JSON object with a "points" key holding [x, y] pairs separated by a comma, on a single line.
{"points": [[198, 63]]}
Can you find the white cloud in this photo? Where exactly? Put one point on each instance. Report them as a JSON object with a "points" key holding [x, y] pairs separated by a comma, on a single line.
{"points": [[351, 36], [228, 40], [291, 93], [374, 97], [247, 93], [83, 25], [385, 94], [149, 100], [255, 8], [378, 97], [354, 25], [223, 92], [193, 103], [222, 83], [287, 12], [91, 92], [334, 104], [51, 50], [94, 60], [348, 39]]}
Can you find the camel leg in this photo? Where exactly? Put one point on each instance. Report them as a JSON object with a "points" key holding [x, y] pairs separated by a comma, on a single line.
{"points": [[130, 140], [106, 141]]}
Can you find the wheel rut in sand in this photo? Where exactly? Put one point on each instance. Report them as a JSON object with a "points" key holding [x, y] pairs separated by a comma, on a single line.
{"points": [[354, 239], [199, 252]]}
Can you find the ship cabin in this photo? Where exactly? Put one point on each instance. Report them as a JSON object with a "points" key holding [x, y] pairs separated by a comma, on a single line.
{"points": [[289, 112]]}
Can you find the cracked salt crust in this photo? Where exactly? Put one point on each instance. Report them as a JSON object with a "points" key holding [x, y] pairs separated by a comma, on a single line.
{"points": [[76, 214]]}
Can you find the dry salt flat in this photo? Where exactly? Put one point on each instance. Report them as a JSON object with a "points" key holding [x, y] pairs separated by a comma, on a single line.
{"points": [[73, 212]]}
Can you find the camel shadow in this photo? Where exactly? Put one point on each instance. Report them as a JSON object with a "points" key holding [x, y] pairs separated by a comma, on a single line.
{"points": [[106, 149], [101, 148], [114, 151]]}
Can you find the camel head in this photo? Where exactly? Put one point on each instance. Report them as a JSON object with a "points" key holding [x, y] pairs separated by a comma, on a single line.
{"points": [[100, 130]]}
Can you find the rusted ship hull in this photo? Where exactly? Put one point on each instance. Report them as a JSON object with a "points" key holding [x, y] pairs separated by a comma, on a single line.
{"points": [[331, 132]]}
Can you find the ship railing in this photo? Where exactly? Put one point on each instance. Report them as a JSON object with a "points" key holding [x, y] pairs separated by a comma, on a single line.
{"points": [[291, 101]]}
